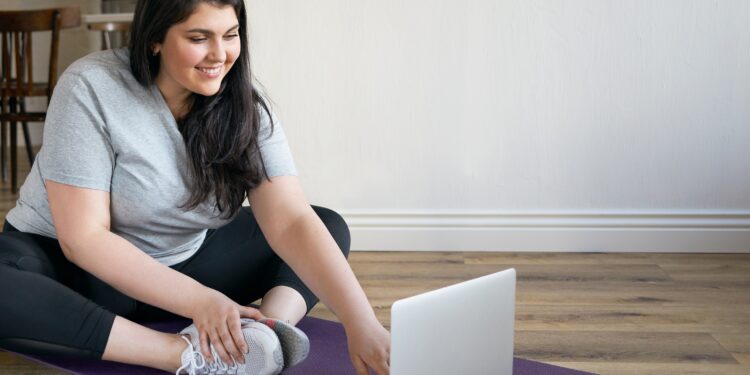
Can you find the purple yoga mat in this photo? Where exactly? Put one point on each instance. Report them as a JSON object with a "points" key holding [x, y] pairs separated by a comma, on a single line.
{"points": [[328, 355]]}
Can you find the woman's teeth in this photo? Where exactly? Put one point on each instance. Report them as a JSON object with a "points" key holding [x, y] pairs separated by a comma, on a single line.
{"points": [[211, 71]]}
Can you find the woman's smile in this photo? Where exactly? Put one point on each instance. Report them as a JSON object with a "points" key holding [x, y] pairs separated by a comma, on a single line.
{"points": [[210, 72]]}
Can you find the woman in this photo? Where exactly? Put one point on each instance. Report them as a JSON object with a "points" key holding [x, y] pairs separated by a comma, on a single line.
{"points": [[132, 211]]}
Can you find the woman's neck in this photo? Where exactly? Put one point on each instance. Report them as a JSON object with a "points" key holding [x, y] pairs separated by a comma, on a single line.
{"points": [[176, 97]]}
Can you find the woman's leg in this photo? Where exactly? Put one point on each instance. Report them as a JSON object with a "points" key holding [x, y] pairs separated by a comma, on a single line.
{"points": [[237, 260], [41, 313], [284, 303], [130, 342], [290, 299]]}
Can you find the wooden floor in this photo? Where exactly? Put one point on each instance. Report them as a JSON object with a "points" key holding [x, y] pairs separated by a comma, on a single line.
{"points": [[628, 313]]}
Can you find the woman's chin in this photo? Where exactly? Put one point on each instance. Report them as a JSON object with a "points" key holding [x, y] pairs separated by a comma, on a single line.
{"points": [[207, 90]]}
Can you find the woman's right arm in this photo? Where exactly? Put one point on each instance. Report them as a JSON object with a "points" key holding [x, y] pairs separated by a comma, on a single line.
{"points": [[82, 222]]}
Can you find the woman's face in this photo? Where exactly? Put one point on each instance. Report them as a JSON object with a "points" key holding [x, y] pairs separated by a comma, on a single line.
{"points": [[198, 53]]}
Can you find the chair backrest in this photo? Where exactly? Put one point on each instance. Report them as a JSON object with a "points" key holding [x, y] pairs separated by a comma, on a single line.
{"points": [[120, 28], [15, 31]]}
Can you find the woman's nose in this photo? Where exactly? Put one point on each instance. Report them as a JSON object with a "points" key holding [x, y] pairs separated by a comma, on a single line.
{"points": [[217, 53]]}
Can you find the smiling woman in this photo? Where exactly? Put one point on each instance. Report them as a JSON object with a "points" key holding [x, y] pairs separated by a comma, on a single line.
{"points": [[196, 59], [133, 211], [189, 62]]}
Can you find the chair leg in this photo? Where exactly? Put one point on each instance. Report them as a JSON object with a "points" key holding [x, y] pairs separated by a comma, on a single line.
{"points": [[13, 158], [107, 41], [3, 150], [26, 137], [3, 137], [27, 140], [13, 108]]}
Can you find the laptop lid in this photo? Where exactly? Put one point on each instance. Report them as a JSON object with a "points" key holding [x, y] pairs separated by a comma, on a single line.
{"points": [[465, 328]]}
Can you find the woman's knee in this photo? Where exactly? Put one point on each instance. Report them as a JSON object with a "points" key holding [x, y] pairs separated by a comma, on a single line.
{"points": [[19, 251], [336, 226]]}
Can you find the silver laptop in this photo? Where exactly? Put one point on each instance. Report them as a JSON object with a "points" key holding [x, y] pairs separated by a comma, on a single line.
{"points": [[466, 328]]}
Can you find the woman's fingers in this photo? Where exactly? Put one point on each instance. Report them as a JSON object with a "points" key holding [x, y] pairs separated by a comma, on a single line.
{"points": [[238, 338], [250, 312], [219, 347], [379, 363], [360, 366], [230, 346], [382, 367], [205, 345]]}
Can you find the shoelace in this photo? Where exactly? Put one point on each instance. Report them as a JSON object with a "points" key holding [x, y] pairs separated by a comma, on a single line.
{"points": [[219, 367], [198, 361]]}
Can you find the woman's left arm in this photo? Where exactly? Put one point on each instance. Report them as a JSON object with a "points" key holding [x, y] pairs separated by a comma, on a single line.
{"points": [[299, 237]]}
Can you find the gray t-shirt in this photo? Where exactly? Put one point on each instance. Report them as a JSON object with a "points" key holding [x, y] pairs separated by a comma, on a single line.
{"points": [[105, 131]]}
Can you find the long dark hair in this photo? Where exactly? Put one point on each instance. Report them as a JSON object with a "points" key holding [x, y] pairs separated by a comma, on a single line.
{"points": [[221, 131]]}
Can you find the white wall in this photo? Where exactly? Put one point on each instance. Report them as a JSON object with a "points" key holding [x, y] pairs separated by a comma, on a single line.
{"points": [[509, 125], [517, 124]]}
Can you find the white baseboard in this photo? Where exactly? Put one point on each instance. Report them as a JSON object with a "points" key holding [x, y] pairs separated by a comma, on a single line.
{"points": [[563, 231]]}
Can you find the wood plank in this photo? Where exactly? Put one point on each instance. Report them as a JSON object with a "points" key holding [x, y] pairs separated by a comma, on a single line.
{"points": [[737, 343], [525, 272], [739, 270], [627, 368], [730, 295], [696, 319], [626, 294], [550, 258], [613, 346]]}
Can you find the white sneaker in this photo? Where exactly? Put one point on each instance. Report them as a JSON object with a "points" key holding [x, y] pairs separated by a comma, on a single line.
{"points": [[294, 343], [264, 358]]}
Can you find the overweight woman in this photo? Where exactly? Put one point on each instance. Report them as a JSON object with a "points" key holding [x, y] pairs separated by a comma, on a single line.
{"points": [[133, 211]]}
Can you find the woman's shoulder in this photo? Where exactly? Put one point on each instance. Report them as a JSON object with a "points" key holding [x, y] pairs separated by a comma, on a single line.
{"points": [[101, 74], [101, 67]]}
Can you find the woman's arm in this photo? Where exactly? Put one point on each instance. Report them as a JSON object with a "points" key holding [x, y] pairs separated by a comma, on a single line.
{"points": [[300, 238], [82, 221]]}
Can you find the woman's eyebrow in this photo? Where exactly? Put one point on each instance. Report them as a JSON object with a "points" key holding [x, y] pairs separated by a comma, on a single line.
{"points": [[209, 32]]}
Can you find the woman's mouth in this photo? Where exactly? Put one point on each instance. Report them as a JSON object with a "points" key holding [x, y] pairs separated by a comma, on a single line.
{"points": [[210, 72]]}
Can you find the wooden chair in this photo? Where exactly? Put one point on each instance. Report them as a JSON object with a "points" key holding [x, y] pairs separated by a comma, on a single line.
{"points": [[16, 28], [107, 27]]}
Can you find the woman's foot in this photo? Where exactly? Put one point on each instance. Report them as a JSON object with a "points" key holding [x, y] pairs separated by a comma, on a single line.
{"points": [[264, 357], [294, 343]]}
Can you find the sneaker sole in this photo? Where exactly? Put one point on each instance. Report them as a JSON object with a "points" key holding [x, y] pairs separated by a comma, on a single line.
{"points": [[295, 344]]}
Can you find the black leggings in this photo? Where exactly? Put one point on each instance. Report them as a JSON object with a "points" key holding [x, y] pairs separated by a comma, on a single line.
{"points": [[48, 305]]}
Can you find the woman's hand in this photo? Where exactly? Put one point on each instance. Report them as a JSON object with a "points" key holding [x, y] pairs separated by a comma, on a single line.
{"points": [[217, 319], [369, 347]]}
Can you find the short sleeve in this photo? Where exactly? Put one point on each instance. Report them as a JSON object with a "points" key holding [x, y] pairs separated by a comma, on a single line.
{"points": [[277, 158], [76, 148]]}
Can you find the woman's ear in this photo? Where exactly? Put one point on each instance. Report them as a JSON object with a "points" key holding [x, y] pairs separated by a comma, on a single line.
{"points": [[155, 49]]}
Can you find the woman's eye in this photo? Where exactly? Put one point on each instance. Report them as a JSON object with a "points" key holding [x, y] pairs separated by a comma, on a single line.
{"points": [[231, 36], [198, 40]]}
